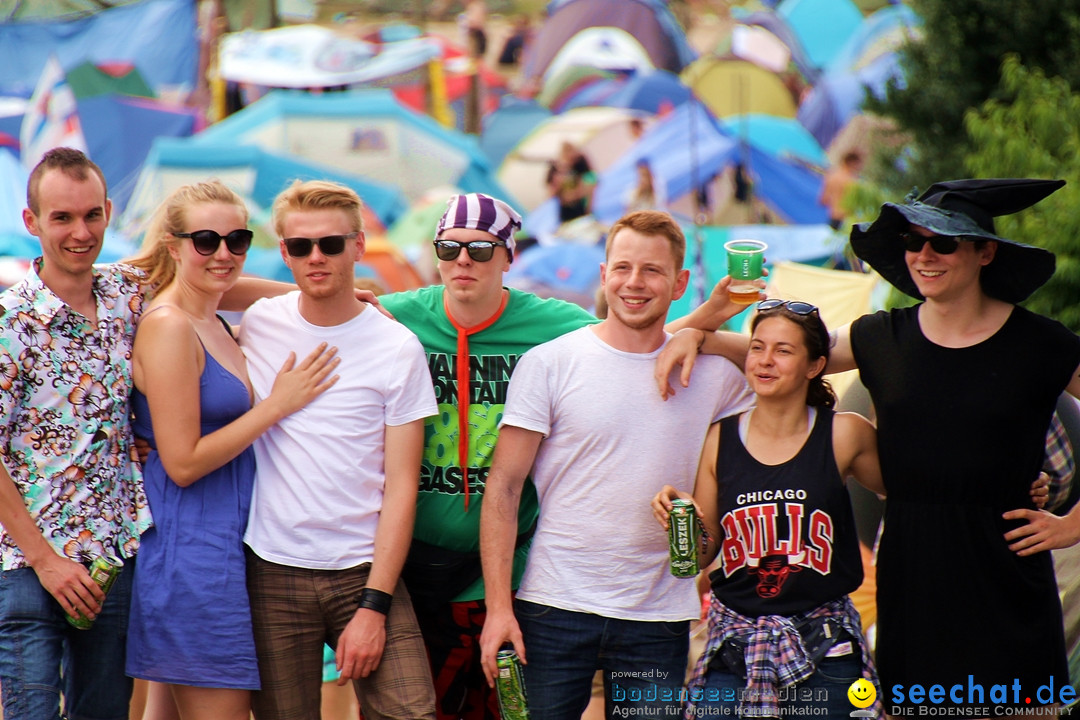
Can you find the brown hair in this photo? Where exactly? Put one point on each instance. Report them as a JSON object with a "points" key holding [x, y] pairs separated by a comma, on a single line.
{"points": [[154, 258], [652, 222], [817, 342], [317, 195], [70, 162]]}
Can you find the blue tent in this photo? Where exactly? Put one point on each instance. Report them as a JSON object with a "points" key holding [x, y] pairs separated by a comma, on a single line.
{"points": [[690, 147], [512, 121], [885, 30], [782, 137], [649, 91], [364, 132], [822, 26], [839, 95], [157, 36], [254, 173], [119, 132]]}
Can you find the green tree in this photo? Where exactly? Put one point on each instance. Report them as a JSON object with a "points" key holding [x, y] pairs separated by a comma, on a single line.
{"points": [[1032, 129], [956, 67]]}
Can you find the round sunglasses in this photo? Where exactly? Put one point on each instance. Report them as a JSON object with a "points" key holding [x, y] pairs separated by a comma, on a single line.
{"points": [[329, 245], [479, 250], [941, 244], [797, 307], [207, 242]]}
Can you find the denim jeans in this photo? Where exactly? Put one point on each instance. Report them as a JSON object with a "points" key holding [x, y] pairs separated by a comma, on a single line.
{"points": [[824, 692], [38, 646], [644, 663]]}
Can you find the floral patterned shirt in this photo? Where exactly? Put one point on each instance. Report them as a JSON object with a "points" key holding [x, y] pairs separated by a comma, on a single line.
{"points": [[65, 435]]}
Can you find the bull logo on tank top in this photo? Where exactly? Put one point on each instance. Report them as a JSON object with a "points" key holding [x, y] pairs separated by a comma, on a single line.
{"points": [[775, 540]]}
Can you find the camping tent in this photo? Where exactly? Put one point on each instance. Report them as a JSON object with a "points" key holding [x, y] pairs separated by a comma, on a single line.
{"points": [[688, 148], [255, 174], [364, 132], [651, 91], [649, 21], [839, 95], [730, 86], [822, 26], [305, 56], [886, 31], [607, 48], [156, 36], [778, 27], [601, 134], [782, 137], [504, 128]]}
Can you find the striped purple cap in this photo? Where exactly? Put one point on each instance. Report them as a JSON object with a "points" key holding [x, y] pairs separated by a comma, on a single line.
{"points": [[476, 211]]}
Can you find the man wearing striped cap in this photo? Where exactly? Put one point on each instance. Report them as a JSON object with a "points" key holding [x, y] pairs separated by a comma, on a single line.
{"points": [[473, 330]]}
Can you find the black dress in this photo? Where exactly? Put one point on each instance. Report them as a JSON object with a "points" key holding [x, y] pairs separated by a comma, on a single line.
{"points": [[961, 433]]}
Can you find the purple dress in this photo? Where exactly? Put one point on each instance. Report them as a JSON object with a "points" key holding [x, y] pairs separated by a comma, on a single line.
{"points": [[190, 616]]}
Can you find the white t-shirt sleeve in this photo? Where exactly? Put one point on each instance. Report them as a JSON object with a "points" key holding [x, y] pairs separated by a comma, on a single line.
{"points": [[733, 392], [528, 398], [410, 395]]}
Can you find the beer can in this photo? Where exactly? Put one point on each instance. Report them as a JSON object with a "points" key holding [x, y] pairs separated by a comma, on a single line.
{"points": [[103, 570], [510, 683], [683, 538]]}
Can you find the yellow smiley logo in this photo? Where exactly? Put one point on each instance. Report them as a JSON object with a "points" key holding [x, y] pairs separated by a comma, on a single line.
{"points": [[862, 693]]}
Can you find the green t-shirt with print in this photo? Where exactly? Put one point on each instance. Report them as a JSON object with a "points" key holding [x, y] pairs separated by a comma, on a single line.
{"points": [[527, 321]]}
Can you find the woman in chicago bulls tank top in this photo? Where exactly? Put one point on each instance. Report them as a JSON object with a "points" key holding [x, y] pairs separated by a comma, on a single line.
{"points": [[770, 491]]}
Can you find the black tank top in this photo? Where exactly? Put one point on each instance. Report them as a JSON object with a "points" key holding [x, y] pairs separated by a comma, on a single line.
{"points": [[788, 532]]}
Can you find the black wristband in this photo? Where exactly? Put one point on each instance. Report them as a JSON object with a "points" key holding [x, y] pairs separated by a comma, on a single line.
{"points": [[376, 600]]}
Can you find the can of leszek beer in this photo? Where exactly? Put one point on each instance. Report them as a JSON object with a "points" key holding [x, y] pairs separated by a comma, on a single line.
{"points": [[510, 683], [103, 571], [683, 538]]}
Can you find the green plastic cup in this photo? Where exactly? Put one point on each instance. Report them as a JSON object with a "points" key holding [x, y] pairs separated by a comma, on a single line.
{"points": [[745, 259]]}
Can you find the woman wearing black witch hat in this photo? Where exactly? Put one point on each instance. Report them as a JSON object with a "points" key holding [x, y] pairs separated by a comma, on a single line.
{"points": [[964, 385]]}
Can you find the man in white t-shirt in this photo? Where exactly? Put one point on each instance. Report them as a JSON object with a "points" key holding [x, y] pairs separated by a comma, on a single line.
{"points": [[336, 483], [597, 591]]}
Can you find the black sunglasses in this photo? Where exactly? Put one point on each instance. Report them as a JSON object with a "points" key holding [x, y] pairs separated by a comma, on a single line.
{"points": [[207, 242], [798, 307], [941, 244], [479, 250], [299, 247]]}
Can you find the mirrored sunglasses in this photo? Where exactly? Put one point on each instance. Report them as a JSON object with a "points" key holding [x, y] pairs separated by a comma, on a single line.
{"points": [[329, 245], [479, 250], [941, 244], [797, 307], [207, 242]]}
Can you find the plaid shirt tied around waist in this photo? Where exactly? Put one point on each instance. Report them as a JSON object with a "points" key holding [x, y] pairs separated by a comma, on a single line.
{"points": [[775, 656]]}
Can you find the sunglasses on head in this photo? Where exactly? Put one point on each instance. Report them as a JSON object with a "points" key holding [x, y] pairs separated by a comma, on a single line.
{"points": [[207, 242], [479, 250], [299, 247], [797, 307], [941, 244]]}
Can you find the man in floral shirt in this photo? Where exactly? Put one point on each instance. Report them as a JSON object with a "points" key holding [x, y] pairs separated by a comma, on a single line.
{"points": [[70, 489]]}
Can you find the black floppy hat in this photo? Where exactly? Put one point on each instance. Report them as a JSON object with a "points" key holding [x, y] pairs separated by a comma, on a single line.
{"points": [[962, 208]]}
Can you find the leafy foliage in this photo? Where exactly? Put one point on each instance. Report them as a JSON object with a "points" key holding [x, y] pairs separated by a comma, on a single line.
{"points": [[956, 66], [1032, 129]]}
